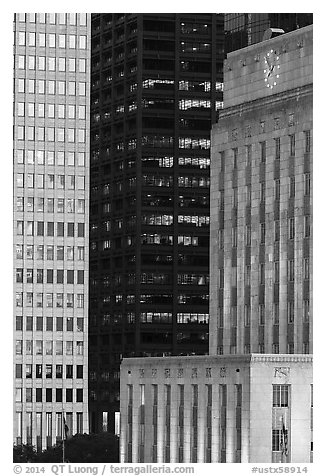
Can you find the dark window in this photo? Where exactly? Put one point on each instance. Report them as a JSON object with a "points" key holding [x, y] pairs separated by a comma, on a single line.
{"points": [[58, 395], [68, 394], [39, 394], [69, 371], [48, 395]]}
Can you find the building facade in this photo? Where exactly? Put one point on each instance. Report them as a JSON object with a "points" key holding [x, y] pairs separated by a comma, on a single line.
{"points": [[51, 188], [217, 409], [255, 406], [156, 91], [261, 201]]}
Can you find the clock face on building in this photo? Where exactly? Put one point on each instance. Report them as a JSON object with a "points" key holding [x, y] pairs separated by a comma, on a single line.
{"points": [[271, 68]]}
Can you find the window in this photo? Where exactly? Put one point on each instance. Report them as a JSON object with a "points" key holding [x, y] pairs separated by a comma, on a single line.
{"points": [[277, 189], [262, 233], [290, 312], [80, 253], [48, 347], [82, 42], [41, 39], [40, 228], [72, 41], [247, 275], [61, 87], [31, 62], [291, 228], [39, 347], [247, 315], [80, 348], [292, 187], [290, 270], [306, 310], [276, 271], [21, 62], [41, 86], [48, 372], [41, 63], [306, 268], [292, 145], [69, 347], [263, 151], [21, 38], [306, 226], [70, 300], [281, 396], [29, 395], [82, 89], [19, 323], [82, 19], [61, 18], [82, 65], [61, 64], [50, 252], [72, 65], [262, 191], [80, 300], [81, 159], [307, 141], [306, 182], [261, 314], [58, 395], [21, 85]]}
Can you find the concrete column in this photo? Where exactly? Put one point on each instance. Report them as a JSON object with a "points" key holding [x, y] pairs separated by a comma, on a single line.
{"points": [[135, 422], [174, 425], [187, 423], [202, 404]]}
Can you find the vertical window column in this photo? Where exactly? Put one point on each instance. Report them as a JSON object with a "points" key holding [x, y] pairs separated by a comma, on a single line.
{"points": [[280, 423], [48, 430], [238, 426], [141, 417], [167, 427], [129, 423], [222, 417], [208, 445], [181, 424], [194, 424], [154, 421]]}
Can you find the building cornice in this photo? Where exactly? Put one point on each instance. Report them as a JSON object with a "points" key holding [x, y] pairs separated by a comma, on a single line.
{"points": [[265, 102]]}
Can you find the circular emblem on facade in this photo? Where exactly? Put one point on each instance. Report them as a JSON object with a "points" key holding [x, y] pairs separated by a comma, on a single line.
{"points": [[271, 68]]}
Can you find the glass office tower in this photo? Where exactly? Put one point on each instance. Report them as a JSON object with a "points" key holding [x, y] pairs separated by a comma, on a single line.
{"points": [[245, 29], [156, 91]]}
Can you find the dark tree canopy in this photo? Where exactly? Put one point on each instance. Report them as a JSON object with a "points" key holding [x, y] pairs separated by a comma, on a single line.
{"points": [[92, 448]]}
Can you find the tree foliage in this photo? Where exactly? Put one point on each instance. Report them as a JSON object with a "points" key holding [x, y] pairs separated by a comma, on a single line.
{"points": [[86, 448]]}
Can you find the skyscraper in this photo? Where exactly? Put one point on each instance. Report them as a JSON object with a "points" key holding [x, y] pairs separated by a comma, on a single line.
{"points": [[261, 240], [253, 403], [156, 91], [51, 183]]}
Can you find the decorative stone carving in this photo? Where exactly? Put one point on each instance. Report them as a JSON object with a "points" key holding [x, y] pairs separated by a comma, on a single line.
{"points": [[223, 372], [167, 373]]}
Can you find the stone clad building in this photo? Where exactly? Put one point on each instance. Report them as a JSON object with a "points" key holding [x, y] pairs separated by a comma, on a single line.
{"points": [[50, 255], [250, 400], [216, 409], [261, 201]]}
